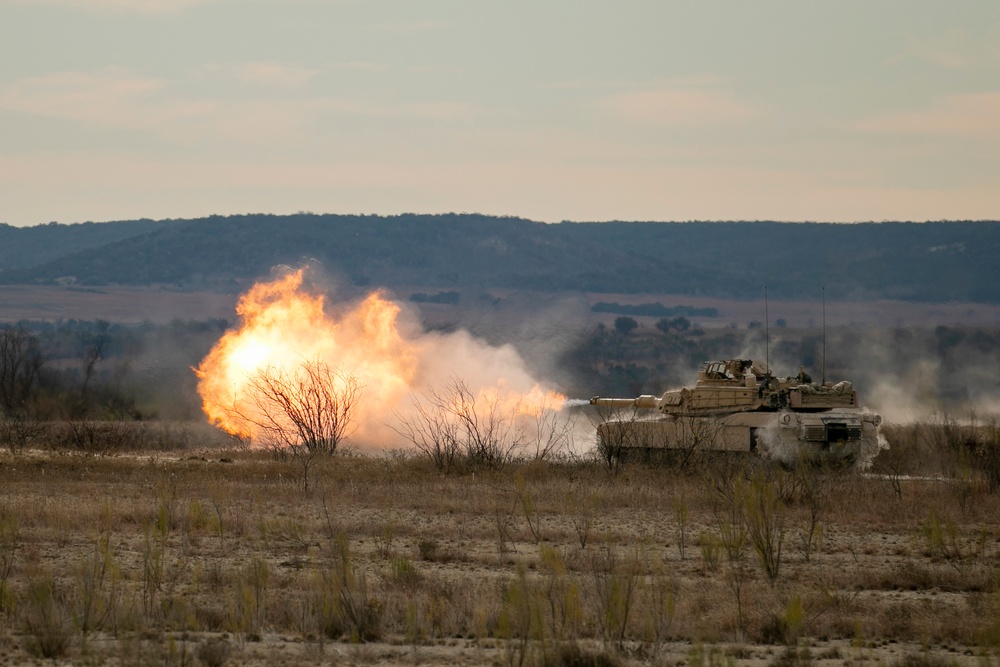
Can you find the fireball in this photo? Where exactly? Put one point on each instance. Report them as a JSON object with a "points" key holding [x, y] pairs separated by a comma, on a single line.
{"points": [[283, 325]]}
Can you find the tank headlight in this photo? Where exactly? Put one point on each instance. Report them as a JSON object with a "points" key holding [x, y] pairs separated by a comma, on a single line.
{"points": [[786, 419]]}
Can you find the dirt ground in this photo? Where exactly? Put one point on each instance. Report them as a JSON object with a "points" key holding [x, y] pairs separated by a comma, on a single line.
{"points": [[223, 557]]}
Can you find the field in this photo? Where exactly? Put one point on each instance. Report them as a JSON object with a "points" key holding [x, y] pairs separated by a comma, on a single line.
{"points": [[136, 304], [131, 541], [220, 556]]}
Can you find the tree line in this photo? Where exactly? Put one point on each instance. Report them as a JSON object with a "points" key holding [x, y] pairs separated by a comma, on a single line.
{"points": [[77, 371], [946, 368]]}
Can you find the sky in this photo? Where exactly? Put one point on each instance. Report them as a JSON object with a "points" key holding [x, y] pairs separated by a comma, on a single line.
{"points": [[550, 109]]}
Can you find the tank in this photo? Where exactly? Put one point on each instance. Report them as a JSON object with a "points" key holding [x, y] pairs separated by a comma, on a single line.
{"points": [[738, 406]]}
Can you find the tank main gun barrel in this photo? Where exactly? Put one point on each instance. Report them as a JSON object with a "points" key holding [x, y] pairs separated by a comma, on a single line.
{"points": [[644, 402]]}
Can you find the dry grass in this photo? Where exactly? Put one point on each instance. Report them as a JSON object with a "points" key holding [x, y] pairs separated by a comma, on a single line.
{"points": [[219, 557]]}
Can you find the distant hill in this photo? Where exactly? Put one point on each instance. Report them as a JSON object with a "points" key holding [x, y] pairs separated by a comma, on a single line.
{"points": [[938, 261], [24, 247]]}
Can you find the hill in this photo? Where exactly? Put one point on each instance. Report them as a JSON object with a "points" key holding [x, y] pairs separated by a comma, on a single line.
{"points": [[25, 247], [930, 262]]}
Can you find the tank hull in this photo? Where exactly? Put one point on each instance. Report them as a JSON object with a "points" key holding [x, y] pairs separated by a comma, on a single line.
{"points": [[844, 436]]}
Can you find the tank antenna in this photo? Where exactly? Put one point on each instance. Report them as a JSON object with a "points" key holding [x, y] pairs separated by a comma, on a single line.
{"points": [[824, 334], [767, 335]]}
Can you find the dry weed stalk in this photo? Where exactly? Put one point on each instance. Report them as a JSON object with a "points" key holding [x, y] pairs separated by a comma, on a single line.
{"points": [[616, 583], [45, 619], [531, 514], [521, 619], [10, 542], [340, 603], [249, 601], [814, 484], [503, 515], [681, 517], [765, 523], [581, 513], [99, 590]]}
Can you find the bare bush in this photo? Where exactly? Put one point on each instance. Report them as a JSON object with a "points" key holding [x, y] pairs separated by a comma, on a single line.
{"points": [[453, 425], [18, 430], [628, 434], [310, 407], [765, 521], [616, 585], [249, 600], [109, 436], [91, 435], [99, 590], [695, 439], [307, 411], [433, 431], [964, 450], [618, 433], [813, 484], [548, 430], [46, 620], [340, 603], [986, 454]]}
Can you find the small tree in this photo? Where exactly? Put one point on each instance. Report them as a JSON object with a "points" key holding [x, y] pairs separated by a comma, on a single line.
{"points": [[94, 349], [21, 361], [625, 325], [307, 411], [675, 324], [311, 407]]}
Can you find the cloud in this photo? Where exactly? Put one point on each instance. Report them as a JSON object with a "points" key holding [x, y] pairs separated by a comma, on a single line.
{"points": [[955, 49], [970, 115], [87, 96], [432, 111], [681, 107], [412, 26], [265, 73], [690, 81], [118, 98], [116, 6], [361, 65]]}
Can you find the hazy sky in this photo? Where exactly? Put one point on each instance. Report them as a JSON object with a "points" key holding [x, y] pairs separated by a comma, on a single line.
{"points": [[569, 110]]}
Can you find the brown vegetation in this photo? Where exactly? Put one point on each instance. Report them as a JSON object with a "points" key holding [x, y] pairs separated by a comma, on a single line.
{"points": [[221, 557]]}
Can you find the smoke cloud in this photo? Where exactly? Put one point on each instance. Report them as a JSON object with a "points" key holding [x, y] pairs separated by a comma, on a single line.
{"points": [[376, 340]]}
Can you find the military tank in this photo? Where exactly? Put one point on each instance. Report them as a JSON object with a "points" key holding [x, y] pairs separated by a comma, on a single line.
{"points": [[738, 406]]}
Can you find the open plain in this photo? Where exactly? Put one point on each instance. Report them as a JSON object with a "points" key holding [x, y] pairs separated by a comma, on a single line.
{"points": [[221, 556]]}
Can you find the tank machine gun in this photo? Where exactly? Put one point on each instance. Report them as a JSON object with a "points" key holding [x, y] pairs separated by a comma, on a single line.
{"points": [[736, 405]]}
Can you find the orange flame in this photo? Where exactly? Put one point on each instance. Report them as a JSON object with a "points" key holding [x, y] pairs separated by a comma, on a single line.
{"points": [[537, 401], [282, 325]]}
